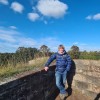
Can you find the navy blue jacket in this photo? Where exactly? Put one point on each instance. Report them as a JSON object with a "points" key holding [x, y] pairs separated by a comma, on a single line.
{"points": [[63, 61]]}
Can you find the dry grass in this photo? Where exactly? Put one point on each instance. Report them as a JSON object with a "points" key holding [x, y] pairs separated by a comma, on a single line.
{"points": [[10, 71]]}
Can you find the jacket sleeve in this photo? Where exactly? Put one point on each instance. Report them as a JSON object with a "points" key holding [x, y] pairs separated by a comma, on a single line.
{"points": [[53, 57], [68, 63]]}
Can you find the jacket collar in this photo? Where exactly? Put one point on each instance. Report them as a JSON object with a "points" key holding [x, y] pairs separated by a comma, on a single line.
{"points": [[62, 53]]}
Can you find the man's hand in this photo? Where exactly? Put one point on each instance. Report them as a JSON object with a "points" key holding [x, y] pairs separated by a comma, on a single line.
{"points": [[46, 68]]}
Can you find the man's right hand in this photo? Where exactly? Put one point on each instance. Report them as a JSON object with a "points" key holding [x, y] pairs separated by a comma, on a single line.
{"points": [[46, 68]]}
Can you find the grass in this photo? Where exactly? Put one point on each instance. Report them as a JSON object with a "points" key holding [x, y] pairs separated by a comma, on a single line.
{"points": [[10, 71]]}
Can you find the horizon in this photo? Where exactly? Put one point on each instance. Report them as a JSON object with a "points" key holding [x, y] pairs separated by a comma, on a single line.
{"points": [[50, 50], [33, 23]]}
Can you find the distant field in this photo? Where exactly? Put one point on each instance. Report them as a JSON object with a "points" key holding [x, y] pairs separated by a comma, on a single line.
{"points": [[10, 71]]}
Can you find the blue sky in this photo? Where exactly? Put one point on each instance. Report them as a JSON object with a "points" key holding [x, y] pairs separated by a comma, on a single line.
{"points": [[32, 23]]}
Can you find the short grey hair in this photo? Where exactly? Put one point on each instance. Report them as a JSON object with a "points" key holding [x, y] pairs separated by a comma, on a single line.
{"points": [[61, 46]]}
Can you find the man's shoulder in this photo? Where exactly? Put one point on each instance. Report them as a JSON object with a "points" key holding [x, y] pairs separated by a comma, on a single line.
{"points": [[54, 54]]}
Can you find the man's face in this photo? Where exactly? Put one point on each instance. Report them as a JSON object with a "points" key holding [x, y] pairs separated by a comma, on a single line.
{"points": [[61, 50]]}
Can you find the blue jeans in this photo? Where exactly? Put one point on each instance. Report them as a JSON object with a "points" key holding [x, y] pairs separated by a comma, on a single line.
{"points": [[61, 81]]}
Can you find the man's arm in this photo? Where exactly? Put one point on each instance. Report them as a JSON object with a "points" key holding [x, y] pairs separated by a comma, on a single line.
{"points": [[49, 61], [69, 63], [53, 57]]}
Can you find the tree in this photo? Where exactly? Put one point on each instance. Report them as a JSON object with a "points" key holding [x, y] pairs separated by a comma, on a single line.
{"points": [[75, 48], [74, 52], [20, 49], [44, 49], [25, 54]]}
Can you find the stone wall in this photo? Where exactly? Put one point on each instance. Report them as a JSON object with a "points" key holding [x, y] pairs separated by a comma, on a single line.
{"points": [[87, 77], [84, 76], [35, 86]]}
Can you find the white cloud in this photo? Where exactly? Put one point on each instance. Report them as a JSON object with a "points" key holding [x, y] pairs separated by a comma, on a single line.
{"points": [[33, 16], [10, 40], [5, 2], [7, 34], [51, 42], [52, 8], [7, 37], [13, 27], [89, 17], [28, 42], [79, 44], [17, 7], [4, 30], [75, 43], [94, 17]]}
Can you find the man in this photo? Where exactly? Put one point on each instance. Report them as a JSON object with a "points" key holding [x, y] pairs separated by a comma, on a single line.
{"points": [[63, 64]]}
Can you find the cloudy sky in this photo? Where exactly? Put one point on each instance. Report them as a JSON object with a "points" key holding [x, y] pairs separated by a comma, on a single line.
{"points": [[32, 23]]}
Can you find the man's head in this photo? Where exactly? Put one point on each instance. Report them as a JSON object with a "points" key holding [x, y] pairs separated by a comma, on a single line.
{"points": [[61, 49]]}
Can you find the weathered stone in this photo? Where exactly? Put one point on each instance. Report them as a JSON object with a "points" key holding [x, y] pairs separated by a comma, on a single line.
{"points": [[87, 77], [36, 86], [84, 75]]}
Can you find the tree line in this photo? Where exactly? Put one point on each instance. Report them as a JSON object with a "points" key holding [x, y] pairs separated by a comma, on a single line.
{"points": [[75, 53], [23, 55]]}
